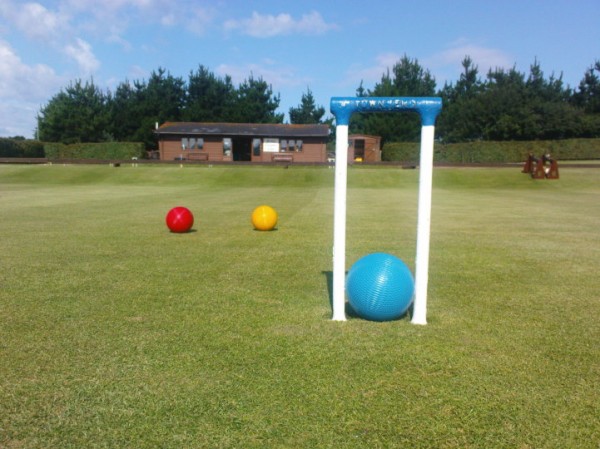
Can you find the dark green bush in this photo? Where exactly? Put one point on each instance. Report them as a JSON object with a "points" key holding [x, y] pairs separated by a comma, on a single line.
{"points": [[495, 152], [400, 151], [21, 148], [98, 151]]}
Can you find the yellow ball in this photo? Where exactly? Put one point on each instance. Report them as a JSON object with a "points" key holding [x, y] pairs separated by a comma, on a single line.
{"points": [[264, 218]]}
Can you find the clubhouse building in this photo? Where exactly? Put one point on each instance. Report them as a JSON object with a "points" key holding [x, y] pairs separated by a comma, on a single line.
{"points": [[250, 142]]}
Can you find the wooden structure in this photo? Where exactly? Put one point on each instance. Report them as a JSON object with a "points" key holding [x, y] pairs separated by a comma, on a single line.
{"points": [[541, 168], [364, 148], [251, 142]]}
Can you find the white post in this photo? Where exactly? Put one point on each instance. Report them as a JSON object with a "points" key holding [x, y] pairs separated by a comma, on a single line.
{"points": [[339, 223], [423, 226]]}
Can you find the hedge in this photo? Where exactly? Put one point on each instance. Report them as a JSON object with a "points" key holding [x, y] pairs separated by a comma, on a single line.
{"points": [[21, 148], [99, 151], [495, 152]]}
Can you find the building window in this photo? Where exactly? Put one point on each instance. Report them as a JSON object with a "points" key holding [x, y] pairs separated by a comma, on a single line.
{"points": [[298, 145], [184, 143], [200, 143], [227, 146], [256, 147], [192, 143], [283, 144], [291, 145]]}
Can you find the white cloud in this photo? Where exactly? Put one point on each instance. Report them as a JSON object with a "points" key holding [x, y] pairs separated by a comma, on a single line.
{"points": [[121, 13], [73, 30], [381, 65], [116, 4], [82, 53], [200, 20], [5, 7], [115, 38], [113, 5], [448, 63], [37, 22], [443, 66], [59, 21], [264, 26], [18, 80], [278, 76], [168, 20], [18, 119], [372, 73], [23, 89], [313, 23], [136, 72]]}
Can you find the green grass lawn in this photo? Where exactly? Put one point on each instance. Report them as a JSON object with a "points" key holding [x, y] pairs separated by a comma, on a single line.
{"points": [[116, 333]]}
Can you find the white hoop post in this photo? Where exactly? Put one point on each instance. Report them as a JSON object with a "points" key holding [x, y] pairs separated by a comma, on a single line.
{"points": [[342, 108], [419, 315], [339, 223]]}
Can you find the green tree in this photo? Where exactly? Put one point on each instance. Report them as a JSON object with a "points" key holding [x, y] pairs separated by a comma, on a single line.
{"points": [[209, 98], [360, 90], [159, 100], [469, 83], [460, 118], [307, 113], [588, 94], [505, 114], [507, 106], [256, 103], [515, 107], [411, 79], [76, 114], [124, 112], [587, 98], [407, 78], [551, 114]]}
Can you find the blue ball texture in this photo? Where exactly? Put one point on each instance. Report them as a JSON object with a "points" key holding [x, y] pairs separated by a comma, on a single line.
{"points": [[380, 287]]}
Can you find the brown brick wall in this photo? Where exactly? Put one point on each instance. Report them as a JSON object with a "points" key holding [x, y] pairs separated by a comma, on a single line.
{"points": [[313, 150]]}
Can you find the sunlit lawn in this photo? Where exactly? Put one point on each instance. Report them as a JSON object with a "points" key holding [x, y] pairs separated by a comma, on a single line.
{"points": [[116, 333]]}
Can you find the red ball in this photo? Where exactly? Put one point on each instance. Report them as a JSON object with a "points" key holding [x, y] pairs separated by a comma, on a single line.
{"points": [[180, 219]]}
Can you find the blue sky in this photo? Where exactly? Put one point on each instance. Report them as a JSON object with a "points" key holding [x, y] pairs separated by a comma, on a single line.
{"points": [[327, 46]]}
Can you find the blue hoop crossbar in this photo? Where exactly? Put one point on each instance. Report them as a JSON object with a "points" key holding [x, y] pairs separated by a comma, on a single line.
{"points": [[427, 107]]}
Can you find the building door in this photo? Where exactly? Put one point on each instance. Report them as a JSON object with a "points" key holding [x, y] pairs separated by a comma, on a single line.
{"points": [[359, 150], [242, 148]]}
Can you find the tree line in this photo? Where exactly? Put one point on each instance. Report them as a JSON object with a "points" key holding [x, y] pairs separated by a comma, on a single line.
{"points": [[82, 112], [505, 105]]}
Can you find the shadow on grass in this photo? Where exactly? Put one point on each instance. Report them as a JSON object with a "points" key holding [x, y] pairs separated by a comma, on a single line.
{"points": [[348, 308]]}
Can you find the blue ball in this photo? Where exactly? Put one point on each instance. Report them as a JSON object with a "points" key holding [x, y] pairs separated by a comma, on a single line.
{"points": [[380, 287]]}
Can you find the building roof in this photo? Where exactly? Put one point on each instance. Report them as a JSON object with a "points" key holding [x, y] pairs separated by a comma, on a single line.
{"points": [[242, 129], [354, 136]]}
